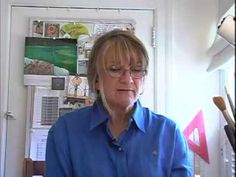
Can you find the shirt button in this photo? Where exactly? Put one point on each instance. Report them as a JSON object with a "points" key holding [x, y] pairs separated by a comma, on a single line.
{"points": [[120, 149]]}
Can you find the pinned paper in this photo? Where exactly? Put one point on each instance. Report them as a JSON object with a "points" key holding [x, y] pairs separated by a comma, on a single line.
{"points": [[196, 137]]}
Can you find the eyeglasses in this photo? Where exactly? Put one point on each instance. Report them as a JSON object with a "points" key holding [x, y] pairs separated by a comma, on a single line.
{"points": [[134, 71]]}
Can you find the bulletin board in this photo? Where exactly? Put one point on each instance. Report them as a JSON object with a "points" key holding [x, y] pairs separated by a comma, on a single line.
{"points": [[55, 66]]}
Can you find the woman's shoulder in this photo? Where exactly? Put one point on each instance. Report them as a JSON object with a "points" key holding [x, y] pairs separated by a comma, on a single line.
{"points": [[84, 111], [159, 119], [76, 117]]}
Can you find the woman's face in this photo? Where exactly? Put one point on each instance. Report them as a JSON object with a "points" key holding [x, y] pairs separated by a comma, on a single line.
{"points": [[121, 90]]}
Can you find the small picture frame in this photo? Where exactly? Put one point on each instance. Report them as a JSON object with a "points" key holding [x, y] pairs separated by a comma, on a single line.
{"points": [[38, 27], [52, 29], [82, 68], [58, 83]]}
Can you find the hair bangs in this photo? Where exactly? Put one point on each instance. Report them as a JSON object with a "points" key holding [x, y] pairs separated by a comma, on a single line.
{"points": [[120, 50]]}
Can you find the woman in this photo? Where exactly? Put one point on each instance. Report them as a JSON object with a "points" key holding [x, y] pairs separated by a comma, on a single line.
{"points": [[116, 136]]}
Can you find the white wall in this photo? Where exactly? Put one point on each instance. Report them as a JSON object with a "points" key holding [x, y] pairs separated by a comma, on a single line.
{"points": [[185, 32], [192, 86]]}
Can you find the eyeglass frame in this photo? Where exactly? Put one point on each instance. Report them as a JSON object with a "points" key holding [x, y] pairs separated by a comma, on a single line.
{"points": [[120, 71]]}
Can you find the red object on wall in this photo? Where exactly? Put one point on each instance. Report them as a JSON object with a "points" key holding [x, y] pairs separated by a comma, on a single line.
{"points": [[199, 148]]}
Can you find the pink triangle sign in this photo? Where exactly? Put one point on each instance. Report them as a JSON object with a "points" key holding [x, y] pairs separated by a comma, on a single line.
{"points": [[199, 148]]}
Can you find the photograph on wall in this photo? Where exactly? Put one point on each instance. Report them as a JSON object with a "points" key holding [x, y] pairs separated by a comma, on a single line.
{"points": [[60, 28], [38, 28], [75, 29], [47, 56], [82, 67], [101, 28], [52, 29], [77, 86], [77, 91]]}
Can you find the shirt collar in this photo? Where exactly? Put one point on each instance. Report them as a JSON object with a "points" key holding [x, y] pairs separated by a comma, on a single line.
{"points": [[100, 115]]}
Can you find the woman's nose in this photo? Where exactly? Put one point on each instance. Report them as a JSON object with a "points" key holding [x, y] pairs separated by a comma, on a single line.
{"points": [[126, 76]]}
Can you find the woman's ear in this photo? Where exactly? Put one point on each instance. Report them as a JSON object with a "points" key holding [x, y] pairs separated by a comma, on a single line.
{"points": [[97, 84], [141, 91], [142, 86]]}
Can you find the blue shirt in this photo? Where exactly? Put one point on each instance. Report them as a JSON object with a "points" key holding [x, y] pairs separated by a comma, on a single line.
{"points": [[80, 144]]}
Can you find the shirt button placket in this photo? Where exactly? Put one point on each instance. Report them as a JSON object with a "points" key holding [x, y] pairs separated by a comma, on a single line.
{"points": [[122, 166]]}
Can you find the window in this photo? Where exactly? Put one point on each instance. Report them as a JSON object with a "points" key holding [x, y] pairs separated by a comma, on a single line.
{"points": [[227, 75]]}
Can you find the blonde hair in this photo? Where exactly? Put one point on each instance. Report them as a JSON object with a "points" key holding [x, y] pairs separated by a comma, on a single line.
{"points": [[125, 45]]}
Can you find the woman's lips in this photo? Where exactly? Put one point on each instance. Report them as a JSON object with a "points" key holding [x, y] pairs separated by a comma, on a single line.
{"points": [[125, 89]]}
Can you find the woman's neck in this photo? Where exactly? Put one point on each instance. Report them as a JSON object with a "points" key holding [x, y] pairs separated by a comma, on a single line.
{"points": [[118, 122]]}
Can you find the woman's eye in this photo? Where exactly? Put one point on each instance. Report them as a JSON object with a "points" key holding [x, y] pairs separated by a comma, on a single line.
{"points": [[114, 69], [137, 69]]}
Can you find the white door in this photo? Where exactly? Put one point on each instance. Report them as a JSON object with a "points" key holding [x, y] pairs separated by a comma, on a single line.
{"points": [[17, 101]]}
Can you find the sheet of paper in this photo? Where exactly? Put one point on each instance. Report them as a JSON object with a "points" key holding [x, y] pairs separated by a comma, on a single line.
{"points": [[46, 106], [38, 143]]}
